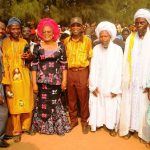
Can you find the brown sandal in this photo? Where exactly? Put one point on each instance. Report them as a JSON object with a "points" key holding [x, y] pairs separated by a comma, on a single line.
{"points": [[113, 133], [147, 145], [128, 136], [29, 132], [17, 138], [142, 141], [32, 133]]}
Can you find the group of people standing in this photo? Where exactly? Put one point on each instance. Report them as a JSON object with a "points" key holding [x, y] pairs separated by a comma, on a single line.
{"points": [[112, 88]]}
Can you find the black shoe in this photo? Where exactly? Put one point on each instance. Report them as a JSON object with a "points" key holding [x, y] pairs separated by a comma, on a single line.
{"points": [[7, 137], [3, 143]]}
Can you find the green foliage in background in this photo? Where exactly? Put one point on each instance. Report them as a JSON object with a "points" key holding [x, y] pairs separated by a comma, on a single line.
{"points": [[121, 11]]}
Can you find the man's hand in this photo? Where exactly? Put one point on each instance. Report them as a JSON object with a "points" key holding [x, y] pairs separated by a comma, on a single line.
{"points": [[35, 88], [113, 95], [88, 82], [96, 92], [145, 90], [1, 100], [9, 93], [148, 94], [64, 85]]}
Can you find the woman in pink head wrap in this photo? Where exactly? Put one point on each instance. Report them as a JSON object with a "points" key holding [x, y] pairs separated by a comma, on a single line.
{"points": [[50, 23], [49, 75]]}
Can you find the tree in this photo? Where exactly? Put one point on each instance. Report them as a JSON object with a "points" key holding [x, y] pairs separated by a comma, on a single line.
{"points": [[25, 10], [63, 10]]}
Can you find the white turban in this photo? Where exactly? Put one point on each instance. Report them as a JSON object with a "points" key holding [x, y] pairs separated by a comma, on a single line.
{"points": [[106, 26], [143, 13]]}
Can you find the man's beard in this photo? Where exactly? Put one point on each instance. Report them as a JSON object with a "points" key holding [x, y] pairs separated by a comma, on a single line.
{"points": [[105, 45]]}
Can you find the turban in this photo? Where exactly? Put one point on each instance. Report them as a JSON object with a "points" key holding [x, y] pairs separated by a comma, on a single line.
{"points": [[143, 13], [14, 20], [48, 22], [106, 26]]}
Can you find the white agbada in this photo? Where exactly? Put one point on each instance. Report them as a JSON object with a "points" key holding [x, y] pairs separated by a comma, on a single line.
{"points": [[135, 102], [105, 73]]}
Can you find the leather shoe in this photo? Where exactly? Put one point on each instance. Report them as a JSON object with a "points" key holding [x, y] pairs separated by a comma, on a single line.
{"points": [[3, 143], [85, 129], [73, 125]]}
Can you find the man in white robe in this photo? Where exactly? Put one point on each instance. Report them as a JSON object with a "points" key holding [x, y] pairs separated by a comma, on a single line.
{"points": [[105, 80], [136, 66]]}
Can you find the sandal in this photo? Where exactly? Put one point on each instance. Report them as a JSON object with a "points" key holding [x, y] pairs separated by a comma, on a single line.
{"points": [[29, 132], [17, 138], [32, 133], [113, 133], [142, 141], [128, 136], [147, 145]]}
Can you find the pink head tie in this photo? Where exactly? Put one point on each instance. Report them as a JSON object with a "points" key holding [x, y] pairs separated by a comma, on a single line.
{"points": [[51, 23]]}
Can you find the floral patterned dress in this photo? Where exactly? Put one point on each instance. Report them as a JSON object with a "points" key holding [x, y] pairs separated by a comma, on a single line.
{"points": [[49, 115]]}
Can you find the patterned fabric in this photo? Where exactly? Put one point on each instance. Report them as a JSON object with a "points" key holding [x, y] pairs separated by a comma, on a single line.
{"points": [[78, 53], [49, 115], [49, 64]]}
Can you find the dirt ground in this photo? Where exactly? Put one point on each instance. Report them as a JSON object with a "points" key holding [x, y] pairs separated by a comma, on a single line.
{"points": [[75, 140]]}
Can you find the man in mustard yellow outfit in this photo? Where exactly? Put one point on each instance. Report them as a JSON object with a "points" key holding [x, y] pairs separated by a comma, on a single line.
{"points": [[17, 79]]}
